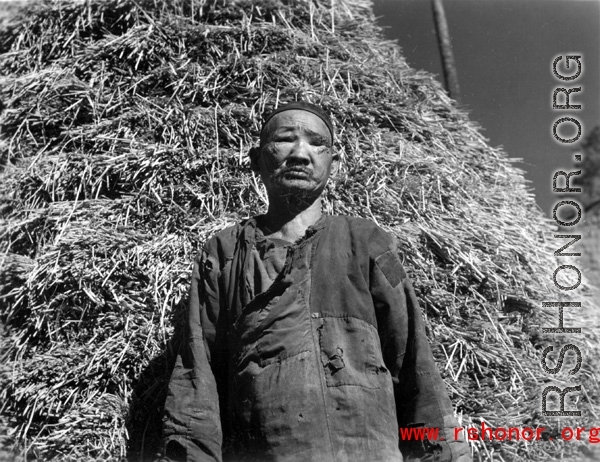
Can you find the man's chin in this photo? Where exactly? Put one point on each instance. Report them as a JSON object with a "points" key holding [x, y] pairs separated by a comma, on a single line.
{"points": [[300, 189]]}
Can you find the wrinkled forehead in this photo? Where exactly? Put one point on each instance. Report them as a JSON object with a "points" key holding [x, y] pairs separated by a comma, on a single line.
{"points": [[295, 120]]}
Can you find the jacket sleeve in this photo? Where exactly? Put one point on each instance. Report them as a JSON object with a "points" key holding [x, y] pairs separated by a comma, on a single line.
{"points": [[420, 393], [191, 424]]}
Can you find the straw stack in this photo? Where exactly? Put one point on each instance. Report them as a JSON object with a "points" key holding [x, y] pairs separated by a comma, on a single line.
{"points": [[124, 145]]}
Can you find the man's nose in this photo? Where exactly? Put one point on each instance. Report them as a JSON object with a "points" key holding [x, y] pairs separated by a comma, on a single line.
{"points": [[300, 151]]}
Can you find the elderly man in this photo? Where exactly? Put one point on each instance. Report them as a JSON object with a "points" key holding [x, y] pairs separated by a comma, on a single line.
{"points": [[304, 339]]}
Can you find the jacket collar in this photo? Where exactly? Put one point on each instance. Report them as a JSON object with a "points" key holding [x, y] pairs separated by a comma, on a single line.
{"points": [[248, 229], [238, 297]]}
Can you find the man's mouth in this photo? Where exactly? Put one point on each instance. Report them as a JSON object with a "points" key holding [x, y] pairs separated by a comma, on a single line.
{"points": [[296, 172]]}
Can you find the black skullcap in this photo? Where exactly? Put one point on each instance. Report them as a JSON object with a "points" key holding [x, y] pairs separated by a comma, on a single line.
{"points": [[302, 106]]}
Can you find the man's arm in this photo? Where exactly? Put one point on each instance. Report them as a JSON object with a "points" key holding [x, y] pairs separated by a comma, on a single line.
{"points": [[192, 426], [421, 396]]}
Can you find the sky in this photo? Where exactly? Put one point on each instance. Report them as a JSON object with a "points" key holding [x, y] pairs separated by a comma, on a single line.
{"points": [[504, 50]]}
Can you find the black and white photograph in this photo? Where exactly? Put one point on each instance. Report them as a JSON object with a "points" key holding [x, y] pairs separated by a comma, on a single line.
{"points": [[299, 230]]}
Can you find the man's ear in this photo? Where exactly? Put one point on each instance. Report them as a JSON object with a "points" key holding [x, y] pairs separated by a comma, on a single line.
{"points": [[253, 153], [335, 164]]}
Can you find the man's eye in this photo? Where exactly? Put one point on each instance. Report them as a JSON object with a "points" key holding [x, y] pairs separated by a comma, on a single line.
{"points": [[284, 139]]}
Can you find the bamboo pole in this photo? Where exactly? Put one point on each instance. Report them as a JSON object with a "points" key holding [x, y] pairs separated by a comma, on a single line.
{"points": [[443, 37]]}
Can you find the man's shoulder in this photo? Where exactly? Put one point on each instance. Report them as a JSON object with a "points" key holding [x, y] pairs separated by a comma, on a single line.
{"points": [[359, 226], [228, 233], [222, 242], [363, 230]]}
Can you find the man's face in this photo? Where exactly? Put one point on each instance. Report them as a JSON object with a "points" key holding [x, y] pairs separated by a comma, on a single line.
{"points": [[296, 157]]}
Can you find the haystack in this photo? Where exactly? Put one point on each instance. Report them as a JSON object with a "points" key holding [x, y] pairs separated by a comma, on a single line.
{"points": [[124, 145]]}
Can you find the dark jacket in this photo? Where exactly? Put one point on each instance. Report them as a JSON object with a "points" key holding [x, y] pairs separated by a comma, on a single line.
{"points": [[325, 365]]}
